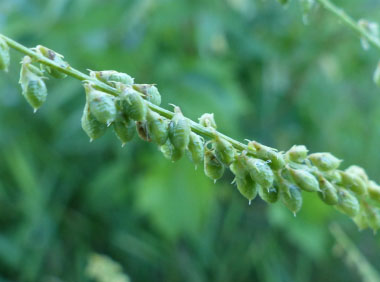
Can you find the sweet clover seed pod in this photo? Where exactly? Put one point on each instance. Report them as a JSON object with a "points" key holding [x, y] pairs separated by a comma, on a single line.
{"points": [[358, 171], [57, 58], [328, 193], [150, 91], [158, 128], [268, 195], [4, 55], [374, 191], [196, 148], [260, 172], [142, 130], [238, 166], [134, 106], [213, 168], [110, 76], [353, 182], [247, 187], [297, 153], [376, 75], [224, 150], [170, 152], [179, 130], [93, 128], [102, 105], [207, 120], [348, 204], [324, 161], [361, 220], [124, 130], [266, 153], [291, 199], [373, 218], [305, 180]]}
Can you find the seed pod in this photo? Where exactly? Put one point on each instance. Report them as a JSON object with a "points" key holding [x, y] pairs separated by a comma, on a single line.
{"points": [[196, 148], [268, 195], [158, 128], [238, 166], [102, 105], [353, 183], [348, 204], [170, 152], [328, 193], [260, 172], [57, 58], [374, 191], [373, 218], [361, 220], [224, 150], [4, 55], [150, 91], [142, 130], [297, 153], [324, 161], [247, 187], [207, 120], [333, 176], [124, 130], [93, 128], [179, 130], [305, 180], [260, 151], [293, 199], [357, 170], [376, 75], [110, 76], [213, 168], [134, 106]]}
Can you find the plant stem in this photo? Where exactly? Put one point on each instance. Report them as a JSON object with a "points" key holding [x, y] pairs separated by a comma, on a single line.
{"points": [[195, 127], [349, 21]]}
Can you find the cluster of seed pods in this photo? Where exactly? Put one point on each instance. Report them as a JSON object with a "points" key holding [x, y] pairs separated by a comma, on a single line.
{"points": [[258, 170]]}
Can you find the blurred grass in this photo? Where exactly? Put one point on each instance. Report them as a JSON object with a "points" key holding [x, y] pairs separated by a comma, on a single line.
{"points": [[264, 74]]}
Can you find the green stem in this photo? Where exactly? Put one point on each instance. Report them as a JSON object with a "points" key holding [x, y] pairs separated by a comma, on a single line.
{"points": [[346, 19], [70, 71]]}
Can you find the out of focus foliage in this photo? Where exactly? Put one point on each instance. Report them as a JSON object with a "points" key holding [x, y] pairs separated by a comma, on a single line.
{"points": [[264, 74]]}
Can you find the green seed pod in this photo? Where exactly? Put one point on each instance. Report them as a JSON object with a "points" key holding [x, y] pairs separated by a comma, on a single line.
{"points": [[213, 168], [357, 170], [93, 128], [224, 150], [268, 195], [134, 106], [297, 153], [238, 166], [260, 172], [333, 176], [260, 151], [170, 152], [196, 148], [142, 130], [305, 180], [102, 105], [111, 76], [179, 130], [376, 75], [4, 55], [373, 218], [124, 130], [348, 204], [353, 183], [247, 187], [361, 220], [57, 58], [328, 193], [158, 128], [150, 91], [293, 199], [207, 120], [324, 161], [374, 191]]}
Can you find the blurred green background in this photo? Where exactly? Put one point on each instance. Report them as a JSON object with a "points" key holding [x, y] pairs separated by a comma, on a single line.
{"points": [[264, 74]]}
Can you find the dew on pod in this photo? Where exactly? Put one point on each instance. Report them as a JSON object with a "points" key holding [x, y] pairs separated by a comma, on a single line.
{"points": [[4, 55], [57, 58], [170, 152], [269, 195], [247, 187], [353, 182], [102, 105], [324, 161], [134, 105], [179, 130], [207, 120], [158, 127], [348, 203], [93, 128], [150, 91], [196, 149], [297, 153], [328, 192], [260, 172], [276, 159], [142, 130], [213, 168], [305, 180], [111, 76], [224, 150]]}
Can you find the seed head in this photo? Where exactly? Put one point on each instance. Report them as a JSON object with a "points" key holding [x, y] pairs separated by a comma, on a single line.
{"points": [[260, 172], [297, 153], [348, 204], [150, 91], [224, 150], [93, 128], [305, 180], [207, 120], [247, 187], [179, 130], [196, 148], [111, 76], [158, 128], [324, 161], [57, 58], [213, 168]]}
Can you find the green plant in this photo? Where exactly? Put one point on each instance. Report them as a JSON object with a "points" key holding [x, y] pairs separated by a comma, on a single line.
{"points": [[114, 99]]}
